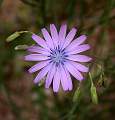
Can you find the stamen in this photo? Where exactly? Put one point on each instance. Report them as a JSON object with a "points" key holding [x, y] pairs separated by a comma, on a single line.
{"points": [[58, 55]]}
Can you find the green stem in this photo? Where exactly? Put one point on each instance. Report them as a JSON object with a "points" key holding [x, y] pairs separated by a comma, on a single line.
{"points": [[90, 78]]}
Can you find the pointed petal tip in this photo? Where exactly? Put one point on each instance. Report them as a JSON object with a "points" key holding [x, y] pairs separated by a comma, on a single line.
{"points": [[74, 29], [25, 58], [70, 89], [87, 70], [90, 59], [52, 25], [43, 29], [35, 81], [46, 86], [33, 36], [29, 49], [30, 71], [64, 25], [81, 79], [55, 90], [88, 47], [73, 32], [67, 90], [84, 37]]}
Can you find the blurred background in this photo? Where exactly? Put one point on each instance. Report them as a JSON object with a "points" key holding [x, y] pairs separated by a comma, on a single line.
{"points": [[20, 99]]}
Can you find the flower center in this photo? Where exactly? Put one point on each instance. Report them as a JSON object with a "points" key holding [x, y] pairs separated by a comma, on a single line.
{"points": [[58, 56]]}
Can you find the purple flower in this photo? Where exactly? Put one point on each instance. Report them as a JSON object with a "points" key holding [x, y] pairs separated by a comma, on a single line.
{"points": [[58, 57]]}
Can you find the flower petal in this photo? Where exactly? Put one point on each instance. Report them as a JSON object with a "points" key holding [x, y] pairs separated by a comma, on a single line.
{"points": [[70, 85], [39, 41], [47, 38], [50, 76], [35, 57], [38, 66], [42, 73], [64, 80], [79, 49], [74, 71], [54, 34], [79, 58], [76, 42], [79, 66], [62, 34], [69, 37], [56, 80], [38, 49]]}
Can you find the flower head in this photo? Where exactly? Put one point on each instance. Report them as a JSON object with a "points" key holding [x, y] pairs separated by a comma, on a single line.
{"points": [[58, 57]]}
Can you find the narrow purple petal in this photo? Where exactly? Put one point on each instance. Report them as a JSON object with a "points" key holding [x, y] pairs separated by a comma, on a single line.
{"points": [[79, 49], [54, 34], [76, 42], [62, 34], [64, 80], [79, 66], [39, 41], [56, 80], [79, 58], [69, 37], [70, 85], [74, 71], [42, 73], [37, 49], [38, 66], [35, 57], [47, 38], [50, 76]]}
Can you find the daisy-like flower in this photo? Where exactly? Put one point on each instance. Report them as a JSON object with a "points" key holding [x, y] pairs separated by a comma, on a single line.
{"points": [[58, 57]]}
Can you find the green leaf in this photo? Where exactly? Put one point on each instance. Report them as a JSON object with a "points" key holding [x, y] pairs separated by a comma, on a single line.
{"points": [[21, 47], [13, 36], [94, 94], [77, 94], [41, 83]]}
